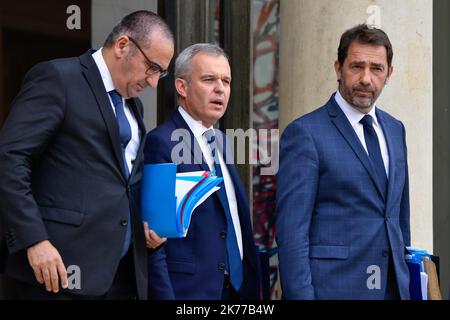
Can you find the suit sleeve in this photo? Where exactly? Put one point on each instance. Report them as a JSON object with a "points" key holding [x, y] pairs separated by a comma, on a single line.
{"points": [[159, 285], [297, 182], [404, 205], [35, 117]]}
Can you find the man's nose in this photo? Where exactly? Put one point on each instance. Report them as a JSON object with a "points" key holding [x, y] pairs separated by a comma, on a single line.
{"points": [[152, 80], [219, 87], [366, 77]]}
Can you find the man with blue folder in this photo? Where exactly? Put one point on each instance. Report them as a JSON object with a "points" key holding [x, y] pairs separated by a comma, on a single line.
{"points": [[343, 199], [217, 259]]}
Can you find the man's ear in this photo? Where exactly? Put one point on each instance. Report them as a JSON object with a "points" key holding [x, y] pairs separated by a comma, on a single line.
{"points": [[337, 69], [181, 86], [390, 71], [122, 46]]}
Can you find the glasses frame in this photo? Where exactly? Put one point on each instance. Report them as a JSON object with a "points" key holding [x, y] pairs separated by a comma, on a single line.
{"points": [[153, 66]]}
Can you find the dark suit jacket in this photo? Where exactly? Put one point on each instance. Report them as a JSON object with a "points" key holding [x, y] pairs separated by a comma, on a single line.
{"points": [[193, 267], [62, 175], [334, 227]]}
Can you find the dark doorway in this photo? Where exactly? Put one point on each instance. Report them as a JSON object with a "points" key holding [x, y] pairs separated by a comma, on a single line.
{"points": [[35, 31], [441, 139]]}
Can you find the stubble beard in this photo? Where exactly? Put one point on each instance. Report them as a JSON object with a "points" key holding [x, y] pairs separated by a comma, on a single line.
{"points": [[363, 104]]}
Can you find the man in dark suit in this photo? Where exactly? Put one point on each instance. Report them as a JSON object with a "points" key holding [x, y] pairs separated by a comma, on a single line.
{"points": [[343, 200], [217, 259], [70, 169]]}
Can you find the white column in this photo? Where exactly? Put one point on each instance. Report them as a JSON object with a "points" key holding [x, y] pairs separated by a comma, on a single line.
{"points": [[310, 33]]}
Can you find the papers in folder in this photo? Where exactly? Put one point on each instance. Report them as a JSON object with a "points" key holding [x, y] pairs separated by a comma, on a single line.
{"points": [[423, 284], [169, 198]]}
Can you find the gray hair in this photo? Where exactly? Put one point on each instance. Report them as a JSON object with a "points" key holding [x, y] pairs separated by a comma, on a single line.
{"points": [[183, 64], [140, 25]]}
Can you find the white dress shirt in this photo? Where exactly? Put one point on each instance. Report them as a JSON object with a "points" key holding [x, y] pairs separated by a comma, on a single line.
{"points": [[132, 147], [198, 130], [354, 116]]}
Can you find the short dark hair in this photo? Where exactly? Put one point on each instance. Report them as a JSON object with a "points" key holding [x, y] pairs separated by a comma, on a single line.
{"points": [[139, 25], [364, 34]]}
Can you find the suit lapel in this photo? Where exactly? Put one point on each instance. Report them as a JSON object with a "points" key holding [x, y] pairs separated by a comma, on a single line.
{"points": [[388, 134], [190, 142], [94, 79], [139, 119], [221, 149], [343, 125]]}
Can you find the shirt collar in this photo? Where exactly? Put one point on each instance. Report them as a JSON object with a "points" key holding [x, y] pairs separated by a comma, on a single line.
{"points": [[197, 128], [104, 71], [353, 115]]}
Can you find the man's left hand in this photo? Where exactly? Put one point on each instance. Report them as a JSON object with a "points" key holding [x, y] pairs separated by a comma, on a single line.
{"points": [[152, 240]]}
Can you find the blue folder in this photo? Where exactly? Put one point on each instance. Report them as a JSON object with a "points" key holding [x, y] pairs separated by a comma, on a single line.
{"points": [[166, 214], [415, 288], [416, 271]]}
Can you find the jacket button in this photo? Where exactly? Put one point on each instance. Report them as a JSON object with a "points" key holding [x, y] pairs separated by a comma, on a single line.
{"points": [[223, 234], [221, 266], [385, 253], [123, 223]]}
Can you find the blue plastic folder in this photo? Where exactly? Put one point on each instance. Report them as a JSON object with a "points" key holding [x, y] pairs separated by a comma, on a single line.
{"points": [[169, 198], [418, 279]]}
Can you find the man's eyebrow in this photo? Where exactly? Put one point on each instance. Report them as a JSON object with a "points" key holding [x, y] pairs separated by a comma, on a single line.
{"points": [[357, 62], [373, 64], [376, 64], [208, 75]]}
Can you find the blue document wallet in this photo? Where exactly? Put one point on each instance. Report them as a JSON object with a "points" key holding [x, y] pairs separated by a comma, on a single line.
{"points": [[418, 279], [169, 198]]}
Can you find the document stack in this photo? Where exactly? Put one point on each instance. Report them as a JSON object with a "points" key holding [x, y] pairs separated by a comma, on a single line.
{"points": [[169, 198], [424, 284]]}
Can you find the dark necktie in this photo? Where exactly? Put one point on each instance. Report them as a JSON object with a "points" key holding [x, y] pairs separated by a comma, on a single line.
{"points": [[373, 148], [234, 262], [125, 137]]}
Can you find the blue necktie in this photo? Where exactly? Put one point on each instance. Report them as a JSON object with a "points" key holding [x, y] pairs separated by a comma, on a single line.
{"points": [[125, 137], [373, 148], [234, 262]]}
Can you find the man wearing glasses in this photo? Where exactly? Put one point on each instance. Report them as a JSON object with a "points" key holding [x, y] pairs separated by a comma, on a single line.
{"points": [[70, 169]]}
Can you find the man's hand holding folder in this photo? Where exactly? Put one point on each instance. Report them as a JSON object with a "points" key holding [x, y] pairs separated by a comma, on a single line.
{"points": [[169, 198], [152, 240]]}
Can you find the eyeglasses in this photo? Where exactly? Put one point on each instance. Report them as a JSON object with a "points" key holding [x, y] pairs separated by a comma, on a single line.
{"points": [[153, 66]]}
